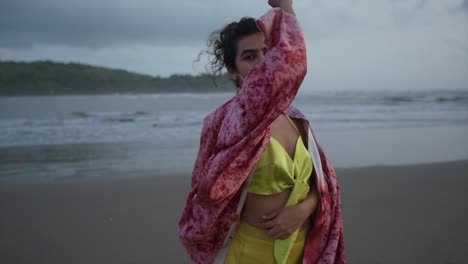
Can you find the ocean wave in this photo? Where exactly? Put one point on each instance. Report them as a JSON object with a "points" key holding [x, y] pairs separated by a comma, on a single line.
{"points": [[111, 117], [383, 98], [180, 124], [119, 119], [424, 99], [82, 114], [415, 120]]}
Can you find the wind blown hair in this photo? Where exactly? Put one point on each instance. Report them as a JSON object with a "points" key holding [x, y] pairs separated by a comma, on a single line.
{"points": [[222, 46]]}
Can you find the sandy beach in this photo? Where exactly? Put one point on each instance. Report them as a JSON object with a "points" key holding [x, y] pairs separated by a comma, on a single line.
{"points": [[398, 214]]}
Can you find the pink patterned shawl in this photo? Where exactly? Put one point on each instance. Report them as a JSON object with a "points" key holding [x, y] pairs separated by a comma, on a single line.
{"points": [[234, 137]]}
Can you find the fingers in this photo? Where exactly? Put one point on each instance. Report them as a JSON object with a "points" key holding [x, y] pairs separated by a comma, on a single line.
{"points": [[273, 3], [270, 216], [269, 220], [277, 233], [275, 226], [281, 236], [267, 225]]}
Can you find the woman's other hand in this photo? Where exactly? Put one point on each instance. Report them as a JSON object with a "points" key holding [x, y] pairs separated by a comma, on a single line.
{"points": [[282, 223]]}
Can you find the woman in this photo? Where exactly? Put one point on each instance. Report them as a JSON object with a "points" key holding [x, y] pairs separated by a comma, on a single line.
{"points": [[254, 148]]}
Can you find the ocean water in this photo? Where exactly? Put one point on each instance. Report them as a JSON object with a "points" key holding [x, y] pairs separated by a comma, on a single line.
{"points": [[54, 138]]}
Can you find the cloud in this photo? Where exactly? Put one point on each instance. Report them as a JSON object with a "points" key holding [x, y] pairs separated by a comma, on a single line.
{"points": [[464, 5], [105, 23], [352, 44], [403, 45]]}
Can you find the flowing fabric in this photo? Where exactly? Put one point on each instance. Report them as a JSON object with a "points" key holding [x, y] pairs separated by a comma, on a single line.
{"points": [[233, 139]]}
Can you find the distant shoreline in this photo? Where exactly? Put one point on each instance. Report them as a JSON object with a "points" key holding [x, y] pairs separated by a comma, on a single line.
{"points": [[56, 78], [122, 94]]}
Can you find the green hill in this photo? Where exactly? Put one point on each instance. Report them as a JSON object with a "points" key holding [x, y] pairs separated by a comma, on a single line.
{"points": [[48, 77]]}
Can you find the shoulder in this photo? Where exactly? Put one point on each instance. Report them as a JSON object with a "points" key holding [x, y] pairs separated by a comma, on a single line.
{"points": [[294, 112]]}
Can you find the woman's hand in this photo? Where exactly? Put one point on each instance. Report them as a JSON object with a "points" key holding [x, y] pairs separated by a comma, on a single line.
{"points": [[274, 3], [282, 223], [286, 5]]}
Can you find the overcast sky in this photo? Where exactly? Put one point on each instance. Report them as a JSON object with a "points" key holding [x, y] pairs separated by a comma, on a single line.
{"points": [[352, 44]]}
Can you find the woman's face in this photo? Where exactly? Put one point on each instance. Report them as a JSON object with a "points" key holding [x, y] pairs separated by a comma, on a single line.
{"points": [[251, 50]]}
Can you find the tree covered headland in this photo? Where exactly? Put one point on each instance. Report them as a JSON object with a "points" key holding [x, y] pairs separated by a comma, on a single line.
{"points": [[48, 77]]}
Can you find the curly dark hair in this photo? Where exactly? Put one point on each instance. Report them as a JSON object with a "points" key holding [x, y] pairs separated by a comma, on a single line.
{"points": [[224, 45]]}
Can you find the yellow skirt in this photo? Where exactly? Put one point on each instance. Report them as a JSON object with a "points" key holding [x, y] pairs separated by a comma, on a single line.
{"points": [[253, 245]]}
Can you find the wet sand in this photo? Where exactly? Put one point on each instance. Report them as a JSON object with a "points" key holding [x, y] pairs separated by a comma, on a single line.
{"points": [[398, 214]]}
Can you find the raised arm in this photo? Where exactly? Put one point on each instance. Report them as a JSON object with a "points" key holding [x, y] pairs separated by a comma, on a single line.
{"points": [[269, 88]]}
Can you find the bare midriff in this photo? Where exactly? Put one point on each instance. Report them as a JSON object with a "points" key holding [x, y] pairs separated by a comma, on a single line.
{"points": [[257, 205]]}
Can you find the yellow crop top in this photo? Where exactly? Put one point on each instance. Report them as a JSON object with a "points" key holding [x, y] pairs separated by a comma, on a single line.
{"points": [[276, 172]]}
